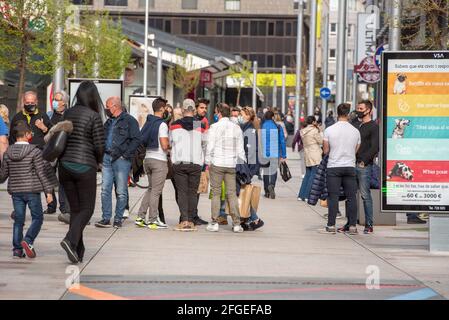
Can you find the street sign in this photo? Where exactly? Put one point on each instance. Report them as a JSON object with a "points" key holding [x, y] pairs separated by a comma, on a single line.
{"points": [[378, 54], [325, 93], [368, 70]]}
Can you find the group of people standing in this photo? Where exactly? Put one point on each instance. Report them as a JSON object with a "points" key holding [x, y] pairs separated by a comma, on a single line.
{"points": [[177, 144], [344, 153]]}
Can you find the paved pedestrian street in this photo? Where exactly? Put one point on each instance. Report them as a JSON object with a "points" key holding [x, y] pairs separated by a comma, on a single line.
{"points": [[286, 259]]}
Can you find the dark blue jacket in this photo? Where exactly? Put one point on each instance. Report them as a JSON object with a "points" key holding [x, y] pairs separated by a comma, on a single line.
{"points": [[319, 185], [150, 132], [125, 138]]}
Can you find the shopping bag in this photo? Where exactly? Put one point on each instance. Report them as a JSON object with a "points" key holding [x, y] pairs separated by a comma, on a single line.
{"points": [[204, 182], [245, 200], [255, 197], [323, 203]]}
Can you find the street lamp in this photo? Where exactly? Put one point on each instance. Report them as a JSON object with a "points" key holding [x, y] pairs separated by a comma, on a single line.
{"points": [[298, 59], [145, 61]]}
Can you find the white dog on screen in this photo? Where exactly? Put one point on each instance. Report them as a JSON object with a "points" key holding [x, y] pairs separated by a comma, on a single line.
{"points": [[399, 85]]}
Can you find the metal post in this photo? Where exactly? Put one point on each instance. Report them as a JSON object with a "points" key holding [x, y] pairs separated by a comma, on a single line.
{"points": [[275, 93], [312, 58], [145, 63], [341, 51], [354, 74], [58, 78], [395, 25], [284, 77], [159, 72], [298, 62], [255, 86], [96, 70], [325, 61]]}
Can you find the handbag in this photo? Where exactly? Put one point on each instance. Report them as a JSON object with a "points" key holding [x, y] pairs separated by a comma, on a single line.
{"points": [[323, 203], [55, 146], [204, 182], [285, 171]]}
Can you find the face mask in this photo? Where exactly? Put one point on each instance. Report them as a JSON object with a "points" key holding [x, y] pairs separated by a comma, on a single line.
{"points": [[215, 118], [55, 105], [29, 108], [241, 120], [360, 114], [109, 113]]}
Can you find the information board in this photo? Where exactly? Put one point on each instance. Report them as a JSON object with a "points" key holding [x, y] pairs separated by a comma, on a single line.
{"points": [[415, 131]]}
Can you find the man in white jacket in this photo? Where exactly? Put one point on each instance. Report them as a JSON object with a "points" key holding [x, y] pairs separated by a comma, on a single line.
{"points": [[224, 151]]}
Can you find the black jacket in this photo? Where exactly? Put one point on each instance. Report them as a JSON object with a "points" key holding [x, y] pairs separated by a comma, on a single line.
{"points": [[85, 145], [125, 137], [38, 135]]}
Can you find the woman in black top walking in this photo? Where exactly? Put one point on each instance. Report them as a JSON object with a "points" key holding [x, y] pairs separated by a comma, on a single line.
{"points": [[78, 165]]}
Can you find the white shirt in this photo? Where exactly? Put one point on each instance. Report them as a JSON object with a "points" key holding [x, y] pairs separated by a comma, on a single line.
{"points": [[159, 153], [343, 140], [225, 144]]}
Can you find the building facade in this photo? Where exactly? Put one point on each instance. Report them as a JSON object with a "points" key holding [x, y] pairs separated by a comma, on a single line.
{"points": [[258, 30]]}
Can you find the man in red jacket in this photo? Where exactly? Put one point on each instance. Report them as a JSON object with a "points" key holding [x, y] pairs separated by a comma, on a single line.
{"points": [[201, 106]]}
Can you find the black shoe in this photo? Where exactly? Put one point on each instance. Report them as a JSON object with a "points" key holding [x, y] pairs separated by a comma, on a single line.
{"points": [[117, 224], [18, 254], [246, 226], [49, 211], [64, 217], [257, 225], [415, 220], [103, 224], [271, 192], [71, 254], [267, 195], [343, 229], [368, 230], [198, 221]]}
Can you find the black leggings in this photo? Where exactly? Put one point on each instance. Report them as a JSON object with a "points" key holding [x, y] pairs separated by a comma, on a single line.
{"points": [[81, 191]]}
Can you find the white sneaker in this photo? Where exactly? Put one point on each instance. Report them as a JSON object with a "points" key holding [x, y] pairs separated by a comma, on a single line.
{"points": [[213, 227], [126, 214], [160, 223], [237, 229]]}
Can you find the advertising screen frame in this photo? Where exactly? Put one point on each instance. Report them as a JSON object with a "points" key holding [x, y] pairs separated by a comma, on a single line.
{"points": [[386, 57]]}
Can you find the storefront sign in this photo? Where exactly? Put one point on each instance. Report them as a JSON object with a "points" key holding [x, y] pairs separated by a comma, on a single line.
{"points": [[415, 131]]}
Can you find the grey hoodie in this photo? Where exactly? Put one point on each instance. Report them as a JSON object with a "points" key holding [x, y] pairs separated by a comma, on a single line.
{"points": [[27, 170]]}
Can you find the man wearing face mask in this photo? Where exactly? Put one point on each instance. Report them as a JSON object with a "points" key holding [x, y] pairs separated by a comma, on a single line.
{"points": [[122, 140], [369, 148], [56, 115], [38, 121]]}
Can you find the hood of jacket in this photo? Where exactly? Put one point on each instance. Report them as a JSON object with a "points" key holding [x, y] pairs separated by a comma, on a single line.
{"points": [[66, 126], [308, 129], [18, 152], [188, 123]]}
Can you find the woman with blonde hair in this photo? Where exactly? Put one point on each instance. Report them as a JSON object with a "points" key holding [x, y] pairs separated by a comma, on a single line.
{"points": [[4, 114]]}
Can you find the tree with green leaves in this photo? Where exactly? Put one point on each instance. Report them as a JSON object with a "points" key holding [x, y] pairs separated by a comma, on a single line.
{"points": [[26, 38], [242, 76], [182, 74], [98, 42]]}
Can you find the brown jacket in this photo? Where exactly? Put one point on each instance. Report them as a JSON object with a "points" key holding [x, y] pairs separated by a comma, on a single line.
{"points": [[312, 141]]}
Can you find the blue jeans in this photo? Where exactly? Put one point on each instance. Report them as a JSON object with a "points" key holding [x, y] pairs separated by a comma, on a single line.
{"points": [[117, 172], [307, 182], [364, 182], [253, 216], [20, 201]]}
